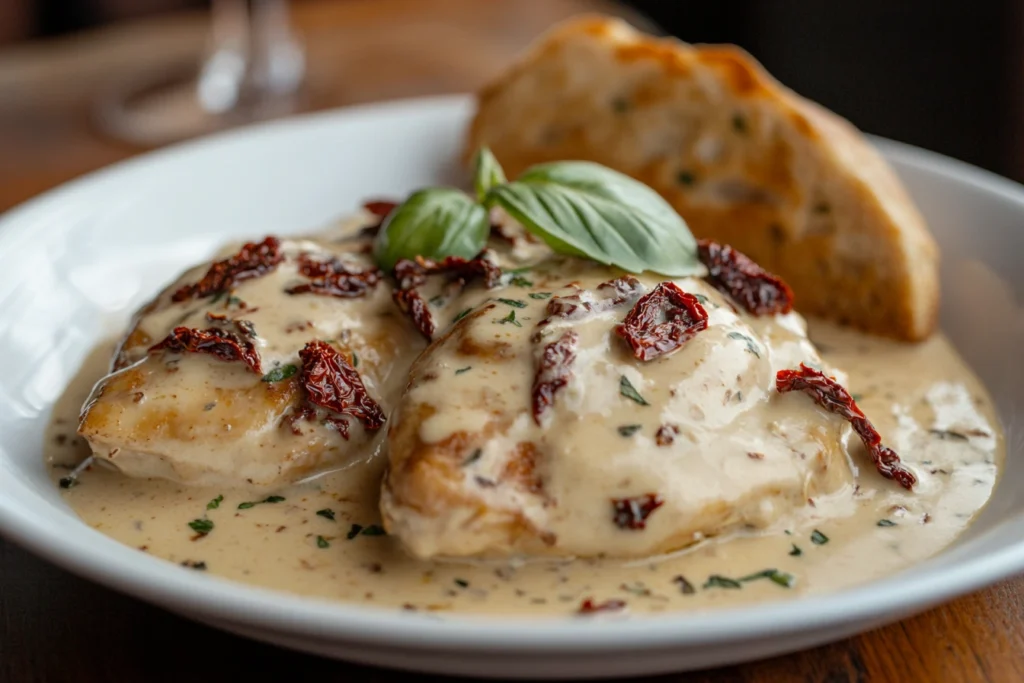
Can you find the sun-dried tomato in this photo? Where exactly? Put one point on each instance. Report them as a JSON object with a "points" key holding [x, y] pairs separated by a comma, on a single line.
{"points": [[662, 321], [219, 343], [666, 434], [831, 396], [581, 304], [380, 207], [412, 303], [554, 372], [333, 278], [332, 383], [588, 606], [735, 274], [632, 513], [252, 260], [411, 274]]}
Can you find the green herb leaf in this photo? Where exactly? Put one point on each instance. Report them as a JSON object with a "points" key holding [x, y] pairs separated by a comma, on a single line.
{"points": [[326, 513], [782, 578], [585, 209], [719, 581], [685, 586], [465, 369], [629, 430], [280, 372], [488, 172], [520, 281], [514, 303], [253, 503], [818, 538], [540, 295], [374, 530], [627, 389], [434, 223], [462, 315], [355, 360], [473, 457], [751, 346], [511, 318], [354, 531], [886, 522], [215, 503], [796, 552], [322, 542], [462, 583], [201, 526]]}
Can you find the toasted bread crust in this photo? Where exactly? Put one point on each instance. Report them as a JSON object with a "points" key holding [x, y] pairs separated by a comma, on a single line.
{"points": [[743, 159]]}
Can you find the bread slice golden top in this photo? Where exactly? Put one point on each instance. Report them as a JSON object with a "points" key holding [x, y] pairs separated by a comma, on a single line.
{"points": [[743, 159]]}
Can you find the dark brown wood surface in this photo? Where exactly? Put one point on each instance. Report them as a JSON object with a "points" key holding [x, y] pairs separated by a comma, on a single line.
{"points": [[55, 627]]}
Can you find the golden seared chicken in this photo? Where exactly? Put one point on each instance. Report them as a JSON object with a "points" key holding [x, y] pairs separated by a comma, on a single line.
{"points": [[586, 414], [265, 366]]}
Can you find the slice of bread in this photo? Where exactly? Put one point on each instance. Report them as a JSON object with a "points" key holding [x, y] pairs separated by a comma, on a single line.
{"points": [[743, 159]]}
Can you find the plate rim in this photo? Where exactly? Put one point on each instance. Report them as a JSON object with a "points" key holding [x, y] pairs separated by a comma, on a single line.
{"points": [[213, 598]]}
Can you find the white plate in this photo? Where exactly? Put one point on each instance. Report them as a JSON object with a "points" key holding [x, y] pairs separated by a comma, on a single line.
{"points": [[76, 261]]}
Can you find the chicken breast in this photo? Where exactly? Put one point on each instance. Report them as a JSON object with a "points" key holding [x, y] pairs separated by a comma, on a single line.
{"points": [[533, 428], [208, 387]]}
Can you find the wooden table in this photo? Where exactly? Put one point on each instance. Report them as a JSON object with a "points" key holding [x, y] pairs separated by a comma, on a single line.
{"points": [[56, 627]]}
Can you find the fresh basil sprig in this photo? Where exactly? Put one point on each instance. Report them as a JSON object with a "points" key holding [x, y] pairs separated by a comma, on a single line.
{"points": [[433, 223], [578, 208], [488, 173], [585, 209]]}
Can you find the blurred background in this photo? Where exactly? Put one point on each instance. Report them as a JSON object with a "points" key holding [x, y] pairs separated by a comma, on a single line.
{"points": [[84, 83]]}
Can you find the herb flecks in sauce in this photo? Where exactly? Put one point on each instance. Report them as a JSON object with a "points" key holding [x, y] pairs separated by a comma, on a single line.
{"points": [[253, 503], [627, 389]]}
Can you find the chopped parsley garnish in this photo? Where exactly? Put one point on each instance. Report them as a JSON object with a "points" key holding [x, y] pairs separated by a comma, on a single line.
{"points": [[719, 581], [541, 295], [326, 513], [627, 389], [519, 281], [857, 397], [355, 360], [629, 430], [462, 315], [520, 270], [796, 552], [201, 526], [279, 373], [253, 503], [462, 583], [700, 298], [473, 457], [685, 586], [322, 542], [751, 346], [437, 300], [511, 318], [465, 369], [781, 578], [199, 566], [818, 538], [514, 303], [886, 522], [948, 434], [215, 503], [360, 530]]}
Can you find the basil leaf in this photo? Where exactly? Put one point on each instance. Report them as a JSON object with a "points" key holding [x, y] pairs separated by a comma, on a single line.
{"points": [[434, 223], [488, 172], [585, 209], [279, 373]]}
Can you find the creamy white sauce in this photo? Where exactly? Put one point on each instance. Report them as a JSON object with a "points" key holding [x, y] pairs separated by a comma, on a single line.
{"points": [[928, 406]]}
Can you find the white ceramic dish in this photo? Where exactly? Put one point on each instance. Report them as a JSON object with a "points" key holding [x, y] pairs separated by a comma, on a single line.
{"points": [[76, 261]]}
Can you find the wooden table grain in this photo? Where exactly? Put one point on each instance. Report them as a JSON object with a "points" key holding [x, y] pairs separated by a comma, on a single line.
{"points": [[55, 627]]}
